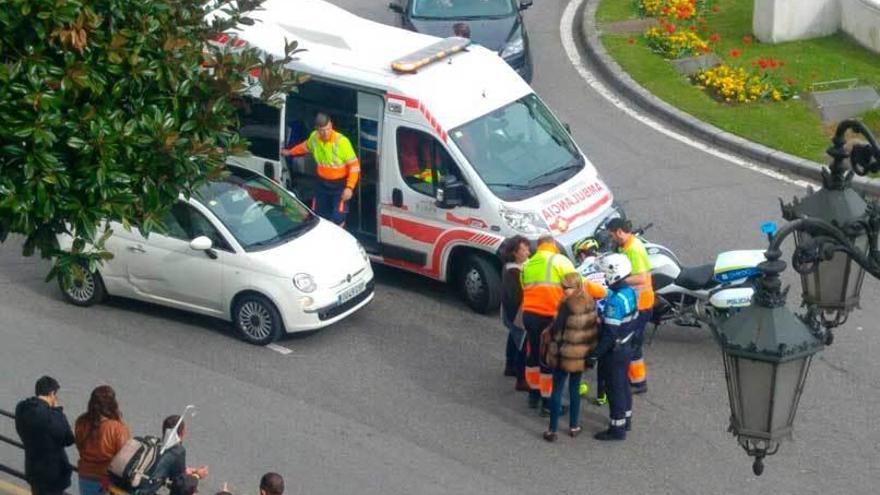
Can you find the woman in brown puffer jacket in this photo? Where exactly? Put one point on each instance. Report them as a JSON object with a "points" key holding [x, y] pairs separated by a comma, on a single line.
{"points": [[572, 337]]}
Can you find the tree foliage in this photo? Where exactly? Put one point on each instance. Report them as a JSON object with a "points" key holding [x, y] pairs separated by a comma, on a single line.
{"points": [[109, 109]]}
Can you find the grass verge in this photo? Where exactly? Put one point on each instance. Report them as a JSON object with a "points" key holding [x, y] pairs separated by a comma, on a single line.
{"points": [[790, 126]]}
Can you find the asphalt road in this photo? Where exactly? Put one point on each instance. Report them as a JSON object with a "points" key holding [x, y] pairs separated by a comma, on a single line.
{"points": [[407, 396]]}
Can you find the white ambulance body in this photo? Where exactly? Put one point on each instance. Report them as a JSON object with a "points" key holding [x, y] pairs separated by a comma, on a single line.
{"points": [[455, 157]]}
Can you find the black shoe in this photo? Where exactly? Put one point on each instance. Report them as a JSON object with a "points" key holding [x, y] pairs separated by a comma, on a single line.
{"points": [[628, 425], [575, 431], [550, 436], [611, 434], [639, 388]]}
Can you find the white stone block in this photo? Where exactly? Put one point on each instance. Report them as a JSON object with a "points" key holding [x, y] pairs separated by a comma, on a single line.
{"points": [[777, 21], [861, 20]]}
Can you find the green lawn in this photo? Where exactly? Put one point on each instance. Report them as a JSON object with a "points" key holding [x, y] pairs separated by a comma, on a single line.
{"points": [[616, 10], [789, 126]]}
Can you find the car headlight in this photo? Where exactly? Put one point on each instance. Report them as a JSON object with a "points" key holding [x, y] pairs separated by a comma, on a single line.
{"points": [[515, 45], [363, 252], [304, 282], [524, 222]]}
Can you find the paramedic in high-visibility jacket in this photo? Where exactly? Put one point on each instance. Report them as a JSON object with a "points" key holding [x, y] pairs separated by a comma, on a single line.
{"points": [[619, 325], [338, 169]]}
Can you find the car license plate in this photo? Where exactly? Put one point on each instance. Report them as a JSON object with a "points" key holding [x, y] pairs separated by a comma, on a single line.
{"points": [[350, 292]]}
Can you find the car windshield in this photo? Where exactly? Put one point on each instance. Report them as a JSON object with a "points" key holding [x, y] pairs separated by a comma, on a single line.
{"points": [[462, 9], [257, 212], [519, 150]]}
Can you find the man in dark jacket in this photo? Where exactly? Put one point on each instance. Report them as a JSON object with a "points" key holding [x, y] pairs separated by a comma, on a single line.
{"points": [[45, 432]]}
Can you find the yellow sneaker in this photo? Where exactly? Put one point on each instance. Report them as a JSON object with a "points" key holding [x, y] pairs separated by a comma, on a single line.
{"points": [[583, 389]]}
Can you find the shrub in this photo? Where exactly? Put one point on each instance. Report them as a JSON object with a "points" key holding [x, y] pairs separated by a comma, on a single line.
{"points": [[732, 84]]}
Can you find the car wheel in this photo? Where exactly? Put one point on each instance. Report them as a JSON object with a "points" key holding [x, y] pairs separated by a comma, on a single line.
{"points": [[85, 289], [480, 284], [256, 320]]}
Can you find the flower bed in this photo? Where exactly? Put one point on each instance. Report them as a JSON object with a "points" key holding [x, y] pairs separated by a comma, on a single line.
{"points": [[732, 84], [680, 33]]}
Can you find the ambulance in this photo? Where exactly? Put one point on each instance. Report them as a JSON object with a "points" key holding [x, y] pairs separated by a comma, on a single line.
{"points": [[456, 150]]}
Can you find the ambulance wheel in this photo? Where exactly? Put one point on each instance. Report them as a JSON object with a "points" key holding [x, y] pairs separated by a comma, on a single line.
{"points": [[480, 284]]}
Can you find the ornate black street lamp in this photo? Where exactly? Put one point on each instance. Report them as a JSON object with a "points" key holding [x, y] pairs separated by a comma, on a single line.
{"points": [[767, 350], [841, 255]]}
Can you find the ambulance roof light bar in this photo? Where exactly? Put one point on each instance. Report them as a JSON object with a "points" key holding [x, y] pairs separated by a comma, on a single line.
{"points": [[411, 63]]}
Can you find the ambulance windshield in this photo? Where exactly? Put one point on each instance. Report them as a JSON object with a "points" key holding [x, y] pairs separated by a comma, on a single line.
{"points": [[519, 150]]}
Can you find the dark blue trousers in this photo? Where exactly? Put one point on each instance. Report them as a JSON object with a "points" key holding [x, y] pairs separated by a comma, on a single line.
{"points": [[614, 369], [328, 202]]}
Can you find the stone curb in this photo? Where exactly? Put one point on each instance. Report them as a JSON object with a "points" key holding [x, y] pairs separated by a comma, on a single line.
{"points": [[621, 82]]}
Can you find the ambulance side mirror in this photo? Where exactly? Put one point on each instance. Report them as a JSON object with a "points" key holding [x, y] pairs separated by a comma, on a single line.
{"points": [[524, 4]]}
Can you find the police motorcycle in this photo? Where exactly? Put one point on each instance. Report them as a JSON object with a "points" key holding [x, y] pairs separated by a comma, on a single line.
{"points": [[691, 296]]}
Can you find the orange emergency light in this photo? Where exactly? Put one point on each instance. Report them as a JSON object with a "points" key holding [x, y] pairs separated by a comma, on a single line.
{"points": [[431, 53]]}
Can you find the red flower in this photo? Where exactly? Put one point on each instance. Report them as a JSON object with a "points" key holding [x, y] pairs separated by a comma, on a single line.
{"points": [[692, 27], [735, 53], [631, 41], [763, 63], [790, 81], [747, 40], [715, 38], [705, 49], [670, 28]]}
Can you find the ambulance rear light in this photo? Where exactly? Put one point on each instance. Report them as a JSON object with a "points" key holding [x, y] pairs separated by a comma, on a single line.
{"points": [[432, 53]]}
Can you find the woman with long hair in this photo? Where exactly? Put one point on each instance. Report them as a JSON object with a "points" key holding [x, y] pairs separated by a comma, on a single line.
{"points": [[100, 433], [514, 252]]}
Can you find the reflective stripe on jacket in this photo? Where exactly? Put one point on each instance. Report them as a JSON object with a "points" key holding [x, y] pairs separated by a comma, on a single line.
{"points": [[638, 256], [619, 320], [542, 278]]}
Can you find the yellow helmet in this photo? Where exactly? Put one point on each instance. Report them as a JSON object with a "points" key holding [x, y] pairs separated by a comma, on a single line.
{"points": [[587, 244]]}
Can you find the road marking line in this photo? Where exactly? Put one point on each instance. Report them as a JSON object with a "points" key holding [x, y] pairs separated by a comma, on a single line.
{"points": [[280, 349], [568, 43]]}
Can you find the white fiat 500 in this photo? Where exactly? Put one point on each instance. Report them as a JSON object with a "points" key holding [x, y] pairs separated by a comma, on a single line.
{"points": [[242, 249]]}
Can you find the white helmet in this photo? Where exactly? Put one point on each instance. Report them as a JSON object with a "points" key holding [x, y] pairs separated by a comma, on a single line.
{"points": [[615, 266]]}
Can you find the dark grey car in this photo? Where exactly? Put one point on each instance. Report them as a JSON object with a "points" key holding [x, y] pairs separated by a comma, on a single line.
{"points": [[495, 24]]}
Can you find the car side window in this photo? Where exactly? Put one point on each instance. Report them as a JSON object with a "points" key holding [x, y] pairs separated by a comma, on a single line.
{"points": [[422, 160], [186, 223]]}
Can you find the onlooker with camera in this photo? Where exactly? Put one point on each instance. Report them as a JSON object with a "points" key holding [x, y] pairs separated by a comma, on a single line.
{"points": [[45, 432]]}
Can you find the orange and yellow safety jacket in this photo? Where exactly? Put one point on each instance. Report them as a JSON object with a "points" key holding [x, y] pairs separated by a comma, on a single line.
{"points": [[641, 271], [542, 278], [335, 157]]}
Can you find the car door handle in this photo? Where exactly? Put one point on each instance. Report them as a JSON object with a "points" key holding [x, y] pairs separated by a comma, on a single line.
{"points": [[136, 249]]}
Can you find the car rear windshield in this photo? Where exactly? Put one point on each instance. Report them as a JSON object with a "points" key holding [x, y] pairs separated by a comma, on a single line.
{"points": [[519, 150], [461, 9], [257, 212]]}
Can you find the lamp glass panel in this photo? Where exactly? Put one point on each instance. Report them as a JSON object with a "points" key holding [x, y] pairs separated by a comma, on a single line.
{"points": [[789, 376], [755, 380], [857, 274], [832, 276]]}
